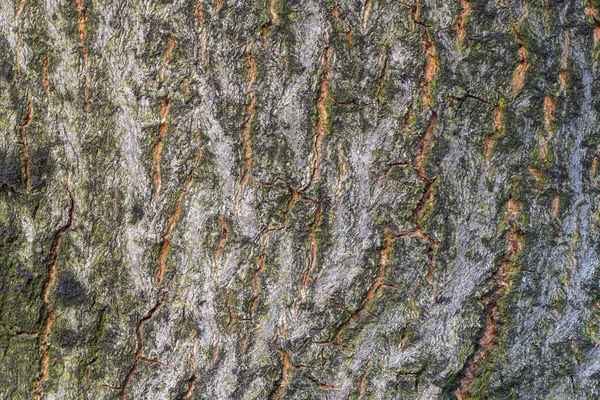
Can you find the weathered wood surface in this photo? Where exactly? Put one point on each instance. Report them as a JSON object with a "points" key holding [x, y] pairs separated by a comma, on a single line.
{"points": [[232, 199]]}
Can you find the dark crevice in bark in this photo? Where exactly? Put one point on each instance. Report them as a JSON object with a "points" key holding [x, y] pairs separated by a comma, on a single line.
{"points": [[48, 284], [490, 318]]}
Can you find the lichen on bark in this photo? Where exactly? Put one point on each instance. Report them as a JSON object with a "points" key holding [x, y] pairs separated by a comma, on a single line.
{"points": [[230, 199]]}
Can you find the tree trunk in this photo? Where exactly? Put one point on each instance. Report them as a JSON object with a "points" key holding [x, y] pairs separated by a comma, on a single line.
{"points": [[272, 199]]}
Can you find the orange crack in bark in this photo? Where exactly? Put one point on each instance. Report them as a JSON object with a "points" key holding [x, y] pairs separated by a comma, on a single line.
{"points": [[246, 132], [499, 131], [173, 220], [477, 360], [322, 116], [20, 7], [140, 343], [403, 340], [168, 57], [151, 361], [537, 176], [164, 127], [555, 204], [431, 64], [200, 14], [314, 247], [361, 383], [462, 17], [262, 266], [233, 318], [349, 39], [431, 69], [273, 11], [284, 380], [548, 114], [192, 381], [84, 50], [368, 299], [564, 62], [266, 28], [216, 354], [519, 74], [46, 79], [45, 334], [368, 7], [548, 119], [592, 11]]}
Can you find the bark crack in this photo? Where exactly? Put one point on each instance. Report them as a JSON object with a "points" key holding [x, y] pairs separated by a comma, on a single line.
{"points": [[139, 331], [173, 220], [45, 333], [192, 381], [477, 360], [427, 196], [462, 19], [322, 116], [200, 14], [266, 28], [519, 74], [322, 385], [294, 197], [158, 147], [564, 59], [233, 318], [314, 247], [284, 379], [168, 57], [362, 383], [246, 132], [370, 295], [46, 79], [367, 8], [164, 126], [592, 11], [549, 105], [431, 64], [499, 130], [262, 266]]}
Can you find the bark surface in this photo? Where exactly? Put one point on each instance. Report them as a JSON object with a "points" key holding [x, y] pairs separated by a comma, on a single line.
{"points": [[313, 199]]}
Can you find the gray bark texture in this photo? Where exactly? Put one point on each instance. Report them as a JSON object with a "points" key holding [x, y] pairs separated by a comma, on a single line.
{"points": [[309, 199]]}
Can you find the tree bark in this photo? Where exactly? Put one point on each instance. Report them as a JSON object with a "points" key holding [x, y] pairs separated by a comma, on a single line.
{"points": [[226, 199]]}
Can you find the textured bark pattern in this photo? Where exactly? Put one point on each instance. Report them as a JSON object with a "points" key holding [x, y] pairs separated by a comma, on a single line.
{"points": [[345, 199]]}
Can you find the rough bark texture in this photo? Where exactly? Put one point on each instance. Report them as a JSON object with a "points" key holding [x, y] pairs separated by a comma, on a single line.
{"points": [[231, 199]]}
